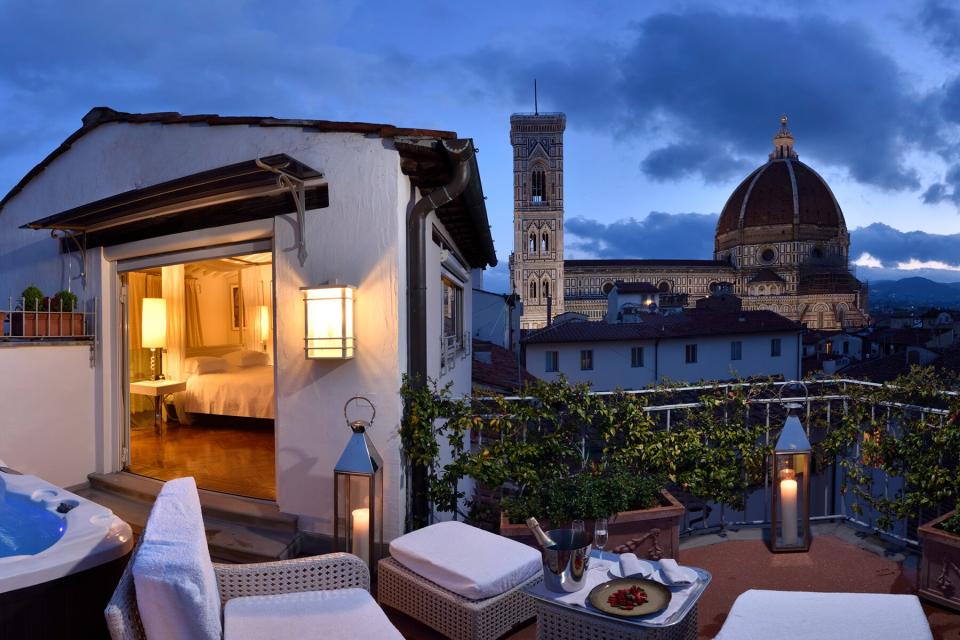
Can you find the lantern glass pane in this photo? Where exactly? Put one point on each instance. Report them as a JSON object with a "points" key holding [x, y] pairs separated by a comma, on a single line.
{"points": [[329, 322], [791, 500]]}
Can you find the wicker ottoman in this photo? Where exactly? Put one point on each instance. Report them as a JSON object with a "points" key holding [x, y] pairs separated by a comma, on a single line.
{"points": [[453, 615], [564, 623]]}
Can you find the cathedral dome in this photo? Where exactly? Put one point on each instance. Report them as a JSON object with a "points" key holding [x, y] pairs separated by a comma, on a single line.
{"points": [[783, 199]]}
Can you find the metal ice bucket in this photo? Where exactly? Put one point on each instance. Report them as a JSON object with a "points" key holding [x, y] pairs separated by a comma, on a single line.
{"points": [[565, 564]]}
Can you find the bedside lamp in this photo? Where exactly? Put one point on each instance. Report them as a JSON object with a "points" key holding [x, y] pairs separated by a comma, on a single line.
{"points": [[263, 313], [154, 330]]}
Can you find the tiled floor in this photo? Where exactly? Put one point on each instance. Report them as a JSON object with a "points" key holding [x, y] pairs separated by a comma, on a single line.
{"points": [[229, 455], [838, 560]]}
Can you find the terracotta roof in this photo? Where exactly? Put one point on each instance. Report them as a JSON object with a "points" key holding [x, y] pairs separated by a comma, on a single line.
{"points": [[777, 191], [104, 115], [502, 373], [910, 336], [690, 323], [883, 369], [636, 287], [608, 263], [766, 275]]}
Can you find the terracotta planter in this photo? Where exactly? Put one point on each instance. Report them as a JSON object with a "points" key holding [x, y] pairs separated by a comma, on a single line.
{"points": [[3, 317], [649, 533], [940, 564], [35, 324]]}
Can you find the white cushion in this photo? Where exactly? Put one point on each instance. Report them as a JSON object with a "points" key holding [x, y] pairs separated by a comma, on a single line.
{"points": [[246, 358], [796, 615], [345, 614], [176, 587], [205, 364], [468, 561]]}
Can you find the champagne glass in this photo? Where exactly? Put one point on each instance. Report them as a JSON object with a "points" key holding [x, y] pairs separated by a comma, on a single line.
{"points": [[577, 526], [600, 534]]}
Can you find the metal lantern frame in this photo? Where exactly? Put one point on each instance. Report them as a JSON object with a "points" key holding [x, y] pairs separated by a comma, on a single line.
{"points": [[790, 470], [338, 347], [359, 460]]}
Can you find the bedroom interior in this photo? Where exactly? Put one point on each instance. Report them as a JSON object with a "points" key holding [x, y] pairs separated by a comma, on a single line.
{"points": [[201, 376]]}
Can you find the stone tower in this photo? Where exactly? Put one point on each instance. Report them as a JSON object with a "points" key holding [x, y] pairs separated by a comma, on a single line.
{"points": [[536, 264]]}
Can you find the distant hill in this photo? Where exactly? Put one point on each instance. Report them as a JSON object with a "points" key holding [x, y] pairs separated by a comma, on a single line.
{"points": [[914, 292]]}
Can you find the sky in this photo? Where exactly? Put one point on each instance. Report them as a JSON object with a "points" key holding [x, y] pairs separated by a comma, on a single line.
{"points": [[669, 104]]}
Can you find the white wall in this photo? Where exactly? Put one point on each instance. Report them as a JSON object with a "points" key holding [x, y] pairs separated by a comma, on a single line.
{"points": [[612, 370], [47, 426], [491, 318], [359, 239]]}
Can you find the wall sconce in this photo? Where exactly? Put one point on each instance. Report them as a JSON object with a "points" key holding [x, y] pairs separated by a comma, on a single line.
{"points": [[153, 330], [328, 327]]}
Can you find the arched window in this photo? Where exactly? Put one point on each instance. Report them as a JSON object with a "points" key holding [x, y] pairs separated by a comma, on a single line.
{"points": [[533, 291], [545, 290], [664, 287], [538, 183], [533, 242], [545, 242]]}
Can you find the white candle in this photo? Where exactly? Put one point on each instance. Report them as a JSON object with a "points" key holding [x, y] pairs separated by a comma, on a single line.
{"points": [[788, 510], [361, 534]]}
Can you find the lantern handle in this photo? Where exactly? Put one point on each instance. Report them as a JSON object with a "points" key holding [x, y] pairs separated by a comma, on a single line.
{"points": [[346, 406], [793, 383]]}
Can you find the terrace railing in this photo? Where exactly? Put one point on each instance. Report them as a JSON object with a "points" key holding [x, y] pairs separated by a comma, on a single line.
{"points": [[34, 319]]}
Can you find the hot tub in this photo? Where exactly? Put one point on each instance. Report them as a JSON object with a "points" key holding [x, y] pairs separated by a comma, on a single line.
{"points": [[60, 556]]}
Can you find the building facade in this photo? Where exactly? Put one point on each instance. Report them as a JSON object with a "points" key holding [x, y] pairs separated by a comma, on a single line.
{"points": [[781, 244]]}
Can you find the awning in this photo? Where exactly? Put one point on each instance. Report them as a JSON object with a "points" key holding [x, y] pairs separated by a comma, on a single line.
{"points": [[251, 190]]}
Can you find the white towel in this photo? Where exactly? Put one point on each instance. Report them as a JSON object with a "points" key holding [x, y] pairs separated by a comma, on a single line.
{"points": [[675, 575], [631, 565]]}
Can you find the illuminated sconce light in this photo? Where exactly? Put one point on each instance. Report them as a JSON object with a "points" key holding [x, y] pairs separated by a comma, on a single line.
{"points": [[328, 327], [153, 330]]}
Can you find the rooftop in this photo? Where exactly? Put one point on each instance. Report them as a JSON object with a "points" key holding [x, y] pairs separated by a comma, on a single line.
{"points": [[644, 262]]}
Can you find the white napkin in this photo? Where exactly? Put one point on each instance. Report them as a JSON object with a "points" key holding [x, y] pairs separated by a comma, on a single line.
{"points": [[675, 575], [631, 565]]}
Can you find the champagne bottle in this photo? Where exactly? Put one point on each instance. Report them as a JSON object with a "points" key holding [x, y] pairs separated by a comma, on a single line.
{"points": [[543, 539]]}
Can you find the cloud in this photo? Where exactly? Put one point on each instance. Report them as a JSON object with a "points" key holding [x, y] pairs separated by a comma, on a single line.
{"points": [[941, 19], [946, 191], [921, 265], [867, 260], [894, 248], [658, 235], [709, 86]]}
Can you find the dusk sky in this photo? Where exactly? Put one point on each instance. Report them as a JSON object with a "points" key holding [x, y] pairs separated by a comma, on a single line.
{"points": [[669, 105]]}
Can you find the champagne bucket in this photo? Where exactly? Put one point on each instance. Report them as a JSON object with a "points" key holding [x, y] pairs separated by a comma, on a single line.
{"points": [[565, 564]]}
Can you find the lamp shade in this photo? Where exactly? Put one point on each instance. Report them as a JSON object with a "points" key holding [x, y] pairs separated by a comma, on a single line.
{"points": [[263, 313], [329, 322], [153, 333]]}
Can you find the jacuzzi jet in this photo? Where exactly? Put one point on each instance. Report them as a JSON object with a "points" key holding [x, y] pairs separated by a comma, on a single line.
{"points": [[65, 507]]}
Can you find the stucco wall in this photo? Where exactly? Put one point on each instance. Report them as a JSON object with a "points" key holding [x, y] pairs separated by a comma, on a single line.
{"points": [[47, 398], [611, 361], [358, 239]]}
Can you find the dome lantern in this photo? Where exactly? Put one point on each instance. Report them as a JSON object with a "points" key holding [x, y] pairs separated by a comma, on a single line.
{"points": [[783, 142]]}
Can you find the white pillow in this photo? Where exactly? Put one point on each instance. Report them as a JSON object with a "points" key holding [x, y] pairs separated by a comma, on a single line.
{"points": [[175, 583], [246, 358], [204, 364]]}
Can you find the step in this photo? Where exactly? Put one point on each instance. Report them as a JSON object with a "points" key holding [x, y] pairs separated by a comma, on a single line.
{"points": [[262, 514], [229, 541]]}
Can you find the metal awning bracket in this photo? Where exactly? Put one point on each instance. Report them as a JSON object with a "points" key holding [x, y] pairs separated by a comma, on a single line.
{"points": [[81, 247], [297, 189]]}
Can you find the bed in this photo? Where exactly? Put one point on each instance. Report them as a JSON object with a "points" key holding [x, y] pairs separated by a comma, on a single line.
{"points": [[238, 391]]}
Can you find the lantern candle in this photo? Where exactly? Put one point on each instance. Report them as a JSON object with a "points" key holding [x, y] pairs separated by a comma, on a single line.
{"points": [[361, 534], [788, 505]]}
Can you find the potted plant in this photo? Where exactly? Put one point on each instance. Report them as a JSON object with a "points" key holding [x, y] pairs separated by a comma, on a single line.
{"points": [[41, 316], [940, 561], [66, 320], [643, 517]]}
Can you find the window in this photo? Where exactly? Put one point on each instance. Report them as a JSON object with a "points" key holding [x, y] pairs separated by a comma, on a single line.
{"points": [[586, 360], [736, 350], [636, 357], [533, 291], [539, 184], [846, 347], [775, 348], [533, 243], [545, 242], [553, 362], [452, 315], [768, 255], [545, 290], [691, 353]]}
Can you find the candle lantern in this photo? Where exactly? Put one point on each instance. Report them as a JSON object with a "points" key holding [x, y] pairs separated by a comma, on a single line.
{"points": [[790, 487], [358, 492]]}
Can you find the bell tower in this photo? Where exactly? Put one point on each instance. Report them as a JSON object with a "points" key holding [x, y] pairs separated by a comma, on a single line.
{"points": [[536, 264]]}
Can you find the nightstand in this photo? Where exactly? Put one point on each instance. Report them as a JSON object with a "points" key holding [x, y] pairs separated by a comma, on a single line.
{"points": [[158, 390]]}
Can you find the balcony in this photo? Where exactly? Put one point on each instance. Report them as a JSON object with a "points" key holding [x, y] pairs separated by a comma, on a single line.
{"points": [[857, 545]]}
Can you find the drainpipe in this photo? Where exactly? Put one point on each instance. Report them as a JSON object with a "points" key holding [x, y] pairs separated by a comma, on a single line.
{"points": [[460, 152]]}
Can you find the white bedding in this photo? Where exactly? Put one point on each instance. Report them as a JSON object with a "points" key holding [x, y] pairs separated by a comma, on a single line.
{"points": [[238, 391]]}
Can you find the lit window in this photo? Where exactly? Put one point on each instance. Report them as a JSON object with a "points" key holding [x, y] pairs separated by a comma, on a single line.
{"points": [[691, 353], [452, 314], [636, 357], [736, 350], [775, 348], [553, 361], [586, 360]]}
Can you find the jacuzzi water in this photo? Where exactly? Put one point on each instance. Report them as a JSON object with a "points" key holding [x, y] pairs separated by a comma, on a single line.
{"points": [[26, 526]]}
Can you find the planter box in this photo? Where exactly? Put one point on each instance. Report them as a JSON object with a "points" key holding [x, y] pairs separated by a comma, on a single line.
{"points": [[3, 317], [940, 564], [649, 533], [35, 324]]}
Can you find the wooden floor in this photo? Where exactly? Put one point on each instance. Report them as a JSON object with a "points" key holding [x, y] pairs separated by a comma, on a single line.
{"points": [[227, 455]]}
